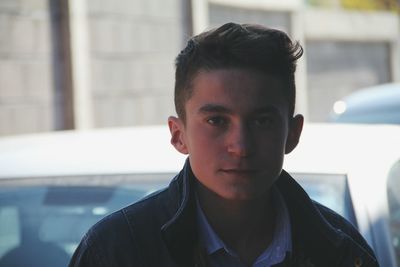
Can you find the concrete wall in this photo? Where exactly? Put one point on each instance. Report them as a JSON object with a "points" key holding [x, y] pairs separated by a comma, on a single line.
{"points": [[132, 46], [122, 54], [26, 98], [336, 69], [345, 50], [219, 14], [128, 75]]}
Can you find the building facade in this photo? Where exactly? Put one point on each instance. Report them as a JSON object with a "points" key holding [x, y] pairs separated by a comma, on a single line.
{"points": [[82, 64]]}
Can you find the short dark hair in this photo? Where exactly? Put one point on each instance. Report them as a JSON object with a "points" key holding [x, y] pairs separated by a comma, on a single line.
{"points": [[245, 46]]}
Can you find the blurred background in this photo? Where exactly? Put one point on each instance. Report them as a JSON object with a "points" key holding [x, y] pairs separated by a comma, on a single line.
{"points": [[82, 64]]}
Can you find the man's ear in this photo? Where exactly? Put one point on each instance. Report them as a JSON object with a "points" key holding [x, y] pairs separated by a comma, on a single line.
{"points": [[295, 128], [177, 129]]}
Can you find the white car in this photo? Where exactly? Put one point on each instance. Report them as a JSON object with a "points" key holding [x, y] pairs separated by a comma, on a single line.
{"points": [[378, 104], [54, 186]]}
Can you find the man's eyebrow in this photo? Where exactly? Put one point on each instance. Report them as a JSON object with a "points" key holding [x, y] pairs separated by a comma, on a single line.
{"points": [[267, 109], [211, 108], [215, 108]]}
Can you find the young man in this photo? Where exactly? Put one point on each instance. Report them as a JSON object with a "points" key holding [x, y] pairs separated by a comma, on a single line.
{"points": [[232, 204]]}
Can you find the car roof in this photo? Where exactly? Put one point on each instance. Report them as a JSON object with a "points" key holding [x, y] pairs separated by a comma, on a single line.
{"points": [[375, 96], [363, 153], [147, 149], [376, 104], [340, 148], [144, 149]]}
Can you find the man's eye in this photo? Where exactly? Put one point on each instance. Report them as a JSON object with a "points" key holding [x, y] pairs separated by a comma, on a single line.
{"points": [[217, 121], [263, 121]]}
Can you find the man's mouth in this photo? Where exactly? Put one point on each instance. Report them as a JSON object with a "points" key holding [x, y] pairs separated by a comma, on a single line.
{"points": [[239, 171]]}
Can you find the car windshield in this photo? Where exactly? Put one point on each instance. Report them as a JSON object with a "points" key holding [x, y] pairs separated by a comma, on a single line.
{"points": [[331, 190], [43, 220], [41, 225]]}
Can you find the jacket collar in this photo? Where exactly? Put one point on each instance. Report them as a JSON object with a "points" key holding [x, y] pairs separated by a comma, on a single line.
{"points": [[313, 234], [301, 206], [180, 232]]}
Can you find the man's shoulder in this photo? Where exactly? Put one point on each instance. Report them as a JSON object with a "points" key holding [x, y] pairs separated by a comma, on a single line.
{"points": [[135, 228], [317, 224], [103, 241], [331, 223], [344, 227], [152, 209], [156, 207], [337, 221]]}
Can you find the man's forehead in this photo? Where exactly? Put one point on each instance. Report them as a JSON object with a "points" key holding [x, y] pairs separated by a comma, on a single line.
{"points": [[257, 73], [233, 75], [221, 108], [211, 90]]}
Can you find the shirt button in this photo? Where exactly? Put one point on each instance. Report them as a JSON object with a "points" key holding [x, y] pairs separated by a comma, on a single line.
{"points": [[358, 262]]}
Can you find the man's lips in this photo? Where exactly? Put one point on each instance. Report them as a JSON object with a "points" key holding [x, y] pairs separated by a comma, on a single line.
{"points": [[239, 171]]}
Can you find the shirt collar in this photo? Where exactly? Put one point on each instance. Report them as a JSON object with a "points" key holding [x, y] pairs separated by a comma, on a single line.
{"points": [[281, 244], [208, 237]]}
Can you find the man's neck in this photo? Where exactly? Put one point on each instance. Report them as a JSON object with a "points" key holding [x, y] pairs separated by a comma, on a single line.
{"points": [[246, 226]]}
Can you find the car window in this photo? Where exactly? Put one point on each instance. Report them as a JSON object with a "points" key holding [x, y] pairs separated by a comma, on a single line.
{"points": [[9, 228], [393, 190], [331, 190], [41, 223]]}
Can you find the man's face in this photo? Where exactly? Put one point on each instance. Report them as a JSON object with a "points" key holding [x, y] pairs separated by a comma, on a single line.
{"points": [[236, 132]]}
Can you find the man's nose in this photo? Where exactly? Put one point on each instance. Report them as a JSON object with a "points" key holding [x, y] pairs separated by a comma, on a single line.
{"points": [[239, 141]]}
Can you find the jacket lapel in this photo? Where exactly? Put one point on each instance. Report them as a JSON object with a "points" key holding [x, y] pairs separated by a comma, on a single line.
{"points": [[180, 232]]}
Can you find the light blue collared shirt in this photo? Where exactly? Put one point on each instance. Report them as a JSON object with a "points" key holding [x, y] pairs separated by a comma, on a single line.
{"points": [[220, 255]]}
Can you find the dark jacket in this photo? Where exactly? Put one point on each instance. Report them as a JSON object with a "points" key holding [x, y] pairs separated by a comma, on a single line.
{"points": [[161, 230]]}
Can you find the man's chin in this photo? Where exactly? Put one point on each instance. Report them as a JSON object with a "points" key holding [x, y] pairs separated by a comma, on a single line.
{"points": [[244, 195]]}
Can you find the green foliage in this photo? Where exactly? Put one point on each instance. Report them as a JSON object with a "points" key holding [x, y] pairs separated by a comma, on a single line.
{"points": [[377, 5], [392, 5]]}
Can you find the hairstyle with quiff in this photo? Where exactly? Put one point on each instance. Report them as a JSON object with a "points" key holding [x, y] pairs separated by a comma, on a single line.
{"points": [[234, 46]]}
